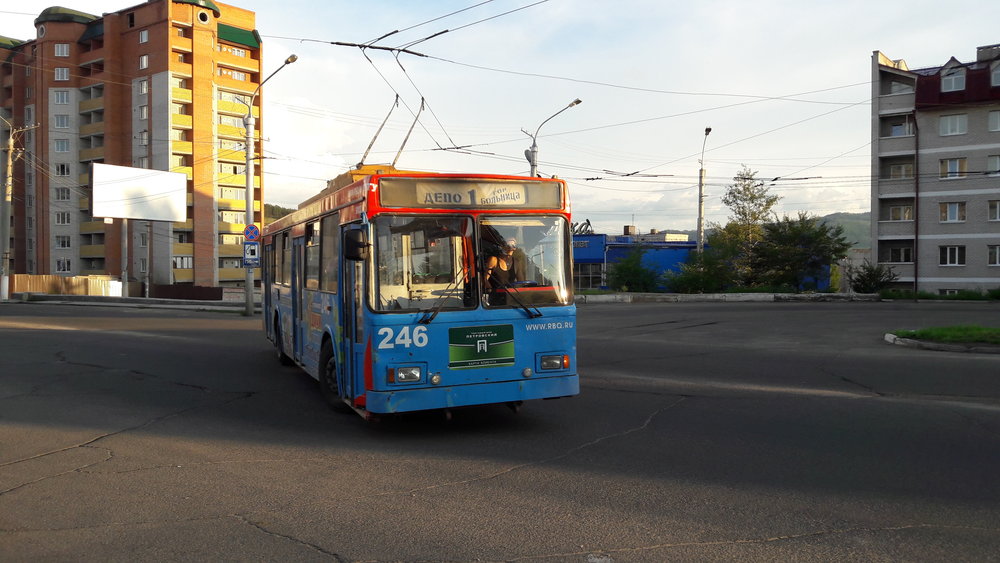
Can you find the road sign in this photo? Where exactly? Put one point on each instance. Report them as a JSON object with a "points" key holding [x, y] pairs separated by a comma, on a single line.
{"points": [[251, 254], [251, 233]]}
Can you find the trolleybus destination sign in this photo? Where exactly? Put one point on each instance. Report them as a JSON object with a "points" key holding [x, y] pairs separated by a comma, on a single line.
{"points": [[411, 192]]}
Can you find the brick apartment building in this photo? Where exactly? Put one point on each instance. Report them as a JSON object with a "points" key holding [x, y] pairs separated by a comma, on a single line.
{"points": [[936, 172], [161, 85]]}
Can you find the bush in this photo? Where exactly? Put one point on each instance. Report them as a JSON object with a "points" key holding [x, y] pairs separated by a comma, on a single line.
{"points": [[870, 278]]}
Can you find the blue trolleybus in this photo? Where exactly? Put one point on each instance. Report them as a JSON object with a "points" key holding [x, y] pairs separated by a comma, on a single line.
{"points": [[405, 291]]}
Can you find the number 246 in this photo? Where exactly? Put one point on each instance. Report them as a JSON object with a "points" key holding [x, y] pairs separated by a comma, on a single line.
{"points": [[404, 339]]}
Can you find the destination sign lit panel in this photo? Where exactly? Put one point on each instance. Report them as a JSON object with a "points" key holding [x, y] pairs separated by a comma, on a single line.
{"points": [[447, 193]]}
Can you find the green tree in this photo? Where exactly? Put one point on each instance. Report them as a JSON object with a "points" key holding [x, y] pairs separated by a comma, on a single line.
{"points": [[708, 272], [870, 278], [751, 204], [795, 250], [628, 274]]}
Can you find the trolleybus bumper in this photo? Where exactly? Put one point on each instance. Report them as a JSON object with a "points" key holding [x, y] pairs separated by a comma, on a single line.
{"points": [[428, 398]]}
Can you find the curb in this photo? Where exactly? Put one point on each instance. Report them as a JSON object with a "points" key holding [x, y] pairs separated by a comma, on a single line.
{"points": [[940, 346], [723, 297], [135, 302]]}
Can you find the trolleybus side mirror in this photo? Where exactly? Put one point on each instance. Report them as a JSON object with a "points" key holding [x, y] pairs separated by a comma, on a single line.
{"points": [[355, 245]]}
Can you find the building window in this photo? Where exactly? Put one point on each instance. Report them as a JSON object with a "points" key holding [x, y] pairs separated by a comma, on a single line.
{"points": [[143, 138], [994, 121], [29, 93], [61, 145], [900, 171], [953, 124], [953, 168], [947, 292], [994, 211], [144, 36], [62, 169], [142, 265], [993, 255], [183, 262], [61, 121], [143, 239], [62, 49], [143, 62], [952, 256], [63, 265], [952, 212], [232, 216], [63, 218], [142, 162], [901, 213], [62, 194], [143, 112], [899, 255], [63, 241], [61, 97], [62, 74], [953, 80], [993, 165], [143, 86], [995, 76], [130, 18]]}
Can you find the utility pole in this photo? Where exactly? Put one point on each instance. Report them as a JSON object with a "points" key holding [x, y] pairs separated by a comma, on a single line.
{"points": [[701, 194], [5, 213]]}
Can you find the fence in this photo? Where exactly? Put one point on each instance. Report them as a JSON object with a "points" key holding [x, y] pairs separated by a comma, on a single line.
{"points": [[72, 285]]}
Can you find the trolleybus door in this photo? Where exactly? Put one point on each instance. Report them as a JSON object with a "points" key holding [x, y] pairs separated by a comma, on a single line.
{"points": [[299, 325]]}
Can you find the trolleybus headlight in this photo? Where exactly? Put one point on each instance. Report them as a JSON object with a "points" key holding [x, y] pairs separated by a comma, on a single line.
{"points": [[408, 374], [555, 362]]}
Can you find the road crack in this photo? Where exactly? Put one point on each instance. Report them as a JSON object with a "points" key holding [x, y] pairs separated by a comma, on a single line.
{"points": [[312, 546]]}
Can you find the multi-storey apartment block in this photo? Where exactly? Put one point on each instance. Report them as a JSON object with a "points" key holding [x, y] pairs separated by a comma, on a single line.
{"points": [[936, 172], [162, 85]]}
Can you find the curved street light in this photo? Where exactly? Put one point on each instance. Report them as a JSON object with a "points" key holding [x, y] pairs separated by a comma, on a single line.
{"points": [[532, 153], [701, 194], [248, 125]]}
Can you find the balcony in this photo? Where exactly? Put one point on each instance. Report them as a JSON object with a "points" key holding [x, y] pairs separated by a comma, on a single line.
{"points": [[92, 251], [180, 69], [181, 276], [87, 155], [92, 129], [896, 188], [183, 226], [896, 103], [89, 227], [229, 83], [182, 249], [181, 121], [84, 204], [237, 180], [232, 131], [232, 155], [230, 60], [83, 179], [237, 204], [182, 44], [93, 104], [236, 274], [181, 147], [230, 250], [236, 108], [897, 145], [181, 95]]}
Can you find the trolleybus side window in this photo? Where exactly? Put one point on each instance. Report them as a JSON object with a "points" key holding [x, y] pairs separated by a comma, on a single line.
{"points": [[312, 266], [278, 272], [286, 259], [330, 252]]}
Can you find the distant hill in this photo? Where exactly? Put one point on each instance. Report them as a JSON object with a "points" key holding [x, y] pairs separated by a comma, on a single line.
{"points": [[857, 227], [274, 212]]}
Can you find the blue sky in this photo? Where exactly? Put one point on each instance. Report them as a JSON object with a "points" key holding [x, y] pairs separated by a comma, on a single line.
{"points": [[784, 86]]}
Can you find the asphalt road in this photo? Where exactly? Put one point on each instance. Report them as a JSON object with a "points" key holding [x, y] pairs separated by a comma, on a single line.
{"points": [[736, 431]]}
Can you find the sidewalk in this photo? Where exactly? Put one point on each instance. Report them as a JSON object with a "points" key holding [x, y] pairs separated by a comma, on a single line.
{"points": [[226, 306]]}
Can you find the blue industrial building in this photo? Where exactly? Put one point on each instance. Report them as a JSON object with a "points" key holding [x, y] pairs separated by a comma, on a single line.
{"points": [[592, 253]]}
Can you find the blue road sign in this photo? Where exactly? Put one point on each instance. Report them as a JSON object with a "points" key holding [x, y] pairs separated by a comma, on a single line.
{"points": [[251, 233], [251, 254]]}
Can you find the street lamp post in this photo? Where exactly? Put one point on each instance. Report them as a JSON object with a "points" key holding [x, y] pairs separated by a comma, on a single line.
{"points": [[532, 153], [248, 125], [701, 193], [5, 212]]}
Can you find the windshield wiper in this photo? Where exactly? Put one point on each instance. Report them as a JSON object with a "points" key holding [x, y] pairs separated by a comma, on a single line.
{"points": [[430, 313], [532, 312]]}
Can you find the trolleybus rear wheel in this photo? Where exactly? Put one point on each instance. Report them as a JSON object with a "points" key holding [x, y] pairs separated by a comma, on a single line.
{"points": [[279, 345], [328, 379]]}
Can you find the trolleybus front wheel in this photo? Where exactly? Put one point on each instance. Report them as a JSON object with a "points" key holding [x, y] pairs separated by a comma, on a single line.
{"points": [[328, 379]]}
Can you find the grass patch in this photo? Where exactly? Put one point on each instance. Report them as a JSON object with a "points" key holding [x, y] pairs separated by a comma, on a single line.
{"points": [[954, 334]]}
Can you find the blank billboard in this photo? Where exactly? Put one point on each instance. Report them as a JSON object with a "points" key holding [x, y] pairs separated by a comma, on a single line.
{"points": [[138, 193]]}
